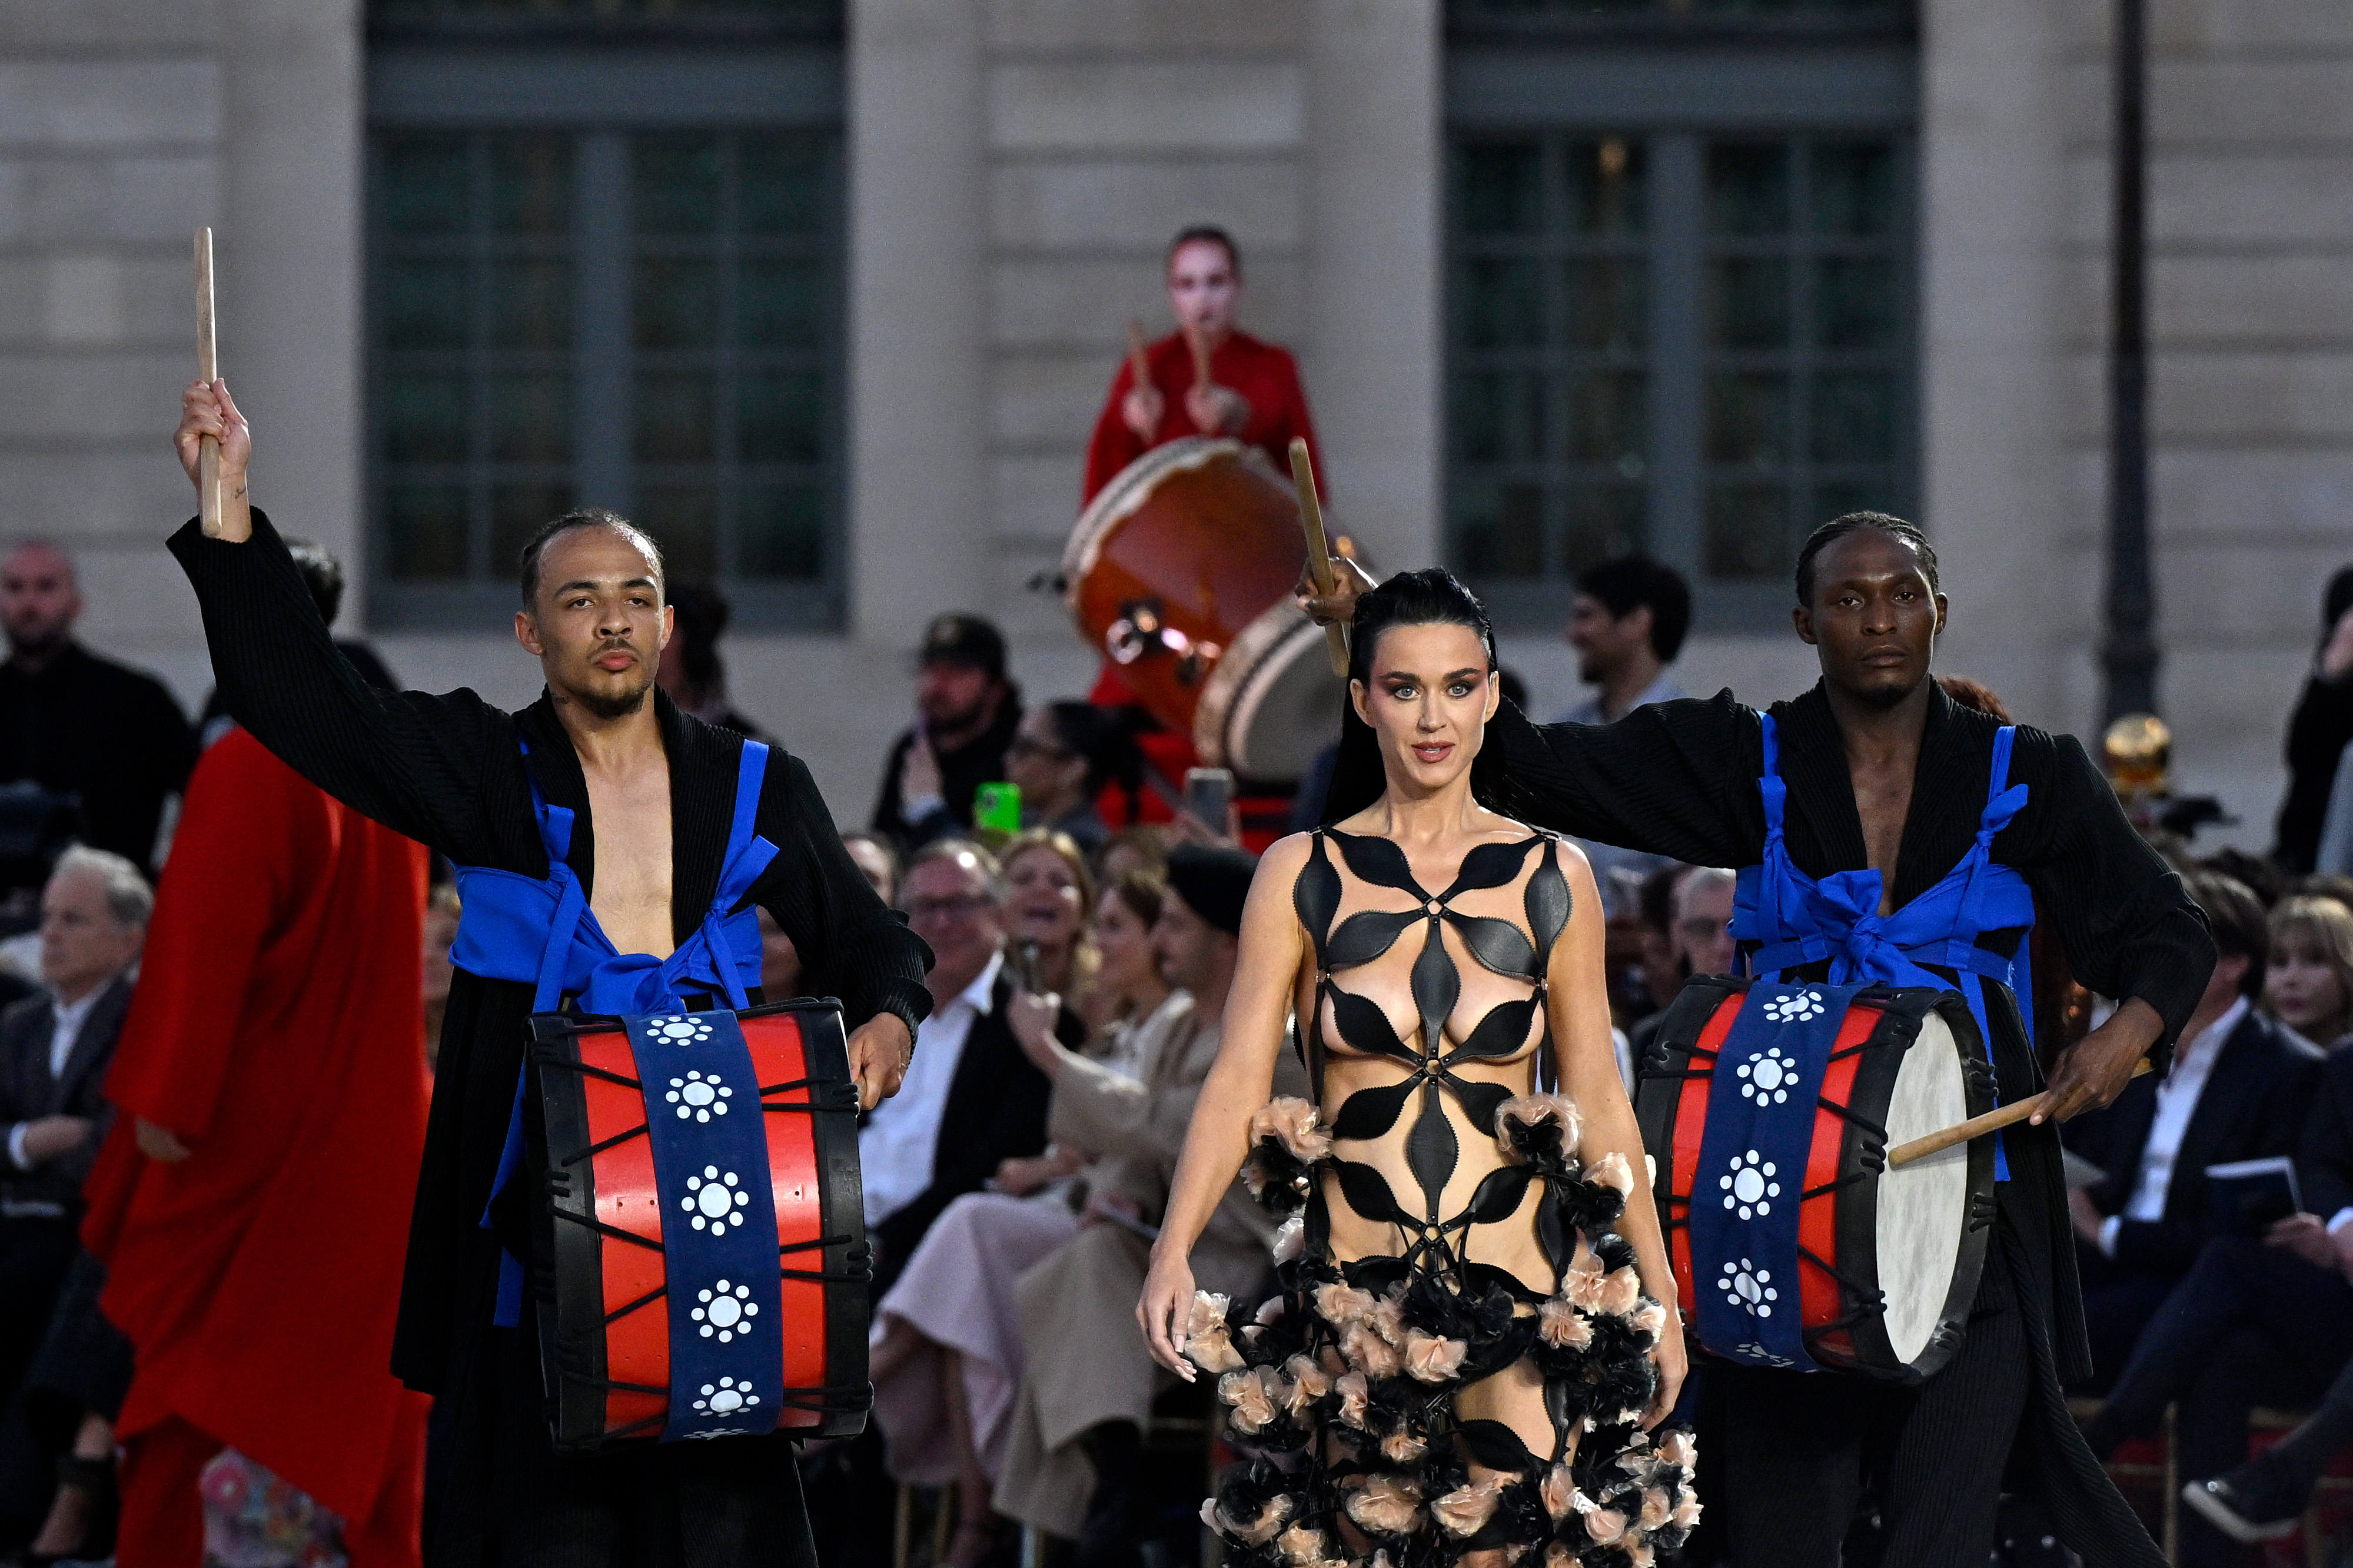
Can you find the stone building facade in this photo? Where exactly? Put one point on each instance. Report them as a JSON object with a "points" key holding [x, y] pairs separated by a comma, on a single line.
{"points": [[1008, 172]]}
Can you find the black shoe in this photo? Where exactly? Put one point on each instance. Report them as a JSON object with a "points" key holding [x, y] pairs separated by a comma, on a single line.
{"points": [[1109, 1538], [2243, 1508]]}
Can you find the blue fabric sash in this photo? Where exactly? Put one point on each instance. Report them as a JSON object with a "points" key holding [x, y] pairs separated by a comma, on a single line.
{"points": [[718, 1224], [1752, 1171], [1796, 920], [542, 933]]}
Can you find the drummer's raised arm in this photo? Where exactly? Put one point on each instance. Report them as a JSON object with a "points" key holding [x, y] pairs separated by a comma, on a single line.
{"points": [[410, 761]]}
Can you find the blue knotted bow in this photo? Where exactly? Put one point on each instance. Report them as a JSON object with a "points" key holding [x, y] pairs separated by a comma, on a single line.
{"points": [[1796, 920], [541, 932]]}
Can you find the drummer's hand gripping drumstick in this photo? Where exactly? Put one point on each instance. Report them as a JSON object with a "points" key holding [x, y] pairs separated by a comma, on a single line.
{"points": [[1319, 550], [208, 461], [1976, 1126]]}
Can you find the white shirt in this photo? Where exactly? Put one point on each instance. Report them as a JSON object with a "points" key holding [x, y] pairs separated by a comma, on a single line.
{"points": [[899, 1142], [2177, 1102], [67, 1029]]}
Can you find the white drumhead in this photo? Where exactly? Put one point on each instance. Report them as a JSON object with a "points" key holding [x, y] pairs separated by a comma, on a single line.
{"points": [[1923, 1206], [1287, 705]]}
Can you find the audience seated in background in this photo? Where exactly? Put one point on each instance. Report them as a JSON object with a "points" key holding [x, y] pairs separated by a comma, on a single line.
{"points": [[1699, 942], [1087, 1382], [54, 1052], [971, 1100], [81, 725], [947, 1353], [877, 860], [1143, 847], [966, 713], [2238, 1089], [1063, 757], [2258, 1320], [2308, 983], [1048, 892]]}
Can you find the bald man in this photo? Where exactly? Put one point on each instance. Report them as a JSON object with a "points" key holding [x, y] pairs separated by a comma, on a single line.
{"points": [[78, 725]]}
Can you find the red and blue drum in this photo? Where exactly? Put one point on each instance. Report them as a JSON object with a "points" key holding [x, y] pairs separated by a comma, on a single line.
{"points": [[1769, 1109], [708, 1234]]}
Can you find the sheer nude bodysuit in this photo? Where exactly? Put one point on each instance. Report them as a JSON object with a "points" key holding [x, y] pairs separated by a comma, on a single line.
{"points": [[1443, 1019]]}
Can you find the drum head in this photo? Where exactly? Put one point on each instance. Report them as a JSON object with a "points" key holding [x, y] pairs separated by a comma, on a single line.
{"points": [[1273, 702], [1924, 1207]]}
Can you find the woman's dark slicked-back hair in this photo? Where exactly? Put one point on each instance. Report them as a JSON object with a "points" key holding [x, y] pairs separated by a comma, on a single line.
{"points": [[1205, 234], [1432, 596], [1838, 528]]}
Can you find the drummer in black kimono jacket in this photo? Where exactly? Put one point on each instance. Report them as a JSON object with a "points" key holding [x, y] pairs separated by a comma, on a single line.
{"points": [[447, 771], [1799, 1453]]}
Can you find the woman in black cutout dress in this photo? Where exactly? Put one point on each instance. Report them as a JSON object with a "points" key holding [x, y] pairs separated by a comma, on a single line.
{"points": [[1468, 1351]]}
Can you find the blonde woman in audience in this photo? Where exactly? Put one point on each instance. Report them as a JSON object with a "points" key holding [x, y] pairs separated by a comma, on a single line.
{"points": [[2309, 984], [1048, 892], [948, 1343]]}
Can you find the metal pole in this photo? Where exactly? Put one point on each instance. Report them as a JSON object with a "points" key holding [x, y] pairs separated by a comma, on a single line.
{"points": [[2130, 656]]}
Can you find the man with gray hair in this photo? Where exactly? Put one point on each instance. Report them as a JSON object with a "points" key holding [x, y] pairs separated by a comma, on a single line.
{"points": [[54, 1051], [79, 726]]}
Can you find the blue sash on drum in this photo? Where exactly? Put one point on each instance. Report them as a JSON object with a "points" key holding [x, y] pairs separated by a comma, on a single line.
{"points": [[1752, 1171], [542, 933], [1794, 920]]}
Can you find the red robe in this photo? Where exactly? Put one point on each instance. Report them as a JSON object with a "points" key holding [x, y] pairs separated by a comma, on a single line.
{"points": [[277, 1030], [1264, 374]]}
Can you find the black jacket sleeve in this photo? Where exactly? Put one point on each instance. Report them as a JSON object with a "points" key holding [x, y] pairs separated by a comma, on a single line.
{"points": [[850, 945], [410, 761], [2128, 925], [1674, 778]]}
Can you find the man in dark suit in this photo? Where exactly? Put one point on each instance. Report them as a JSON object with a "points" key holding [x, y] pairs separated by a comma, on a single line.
{"points": [[971, 1100], [2257, 1320], [2239, 1088], [54, 1050]]}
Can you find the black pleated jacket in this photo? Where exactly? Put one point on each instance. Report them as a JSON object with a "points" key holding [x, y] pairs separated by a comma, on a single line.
{"points": [[446, 770], [1680, 778]]}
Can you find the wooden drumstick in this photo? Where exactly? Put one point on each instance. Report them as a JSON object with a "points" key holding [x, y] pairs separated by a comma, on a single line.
{"points": [[208, 451], [1976, 1126], [1319, 553], [1139, 360], [1199, 344]]}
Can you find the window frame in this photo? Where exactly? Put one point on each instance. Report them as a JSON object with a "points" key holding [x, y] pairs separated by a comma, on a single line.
{"points": [[770, 78], [1676, 99]]}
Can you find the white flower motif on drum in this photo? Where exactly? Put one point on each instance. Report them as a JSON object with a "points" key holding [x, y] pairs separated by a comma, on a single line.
{"points": [[679, 1029], [1749, 1186], [1749, 1287], [1795, 1007], [698, 1095], [726, 1312], [727, 1397], [716, 1200], [1766, 1078]]}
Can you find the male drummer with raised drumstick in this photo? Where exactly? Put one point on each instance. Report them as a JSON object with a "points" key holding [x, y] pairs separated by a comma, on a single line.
{"points": [[1885, 785], [1206, 379], [595, 826]]}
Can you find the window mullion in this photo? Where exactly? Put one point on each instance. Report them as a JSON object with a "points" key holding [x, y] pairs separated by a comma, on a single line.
{"points": [[1678, 410], [604, 253]]}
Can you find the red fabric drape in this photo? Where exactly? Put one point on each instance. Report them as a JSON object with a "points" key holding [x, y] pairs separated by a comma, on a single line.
{"points": [[277, 1030]]}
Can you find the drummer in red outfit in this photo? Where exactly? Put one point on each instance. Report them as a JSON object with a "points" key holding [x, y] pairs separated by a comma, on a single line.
{"points": [[1252, 394], [252, 1200]]}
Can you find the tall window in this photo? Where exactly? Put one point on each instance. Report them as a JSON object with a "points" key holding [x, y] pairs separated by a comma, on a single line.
{"points": [[1678, 327], [606, 277]]}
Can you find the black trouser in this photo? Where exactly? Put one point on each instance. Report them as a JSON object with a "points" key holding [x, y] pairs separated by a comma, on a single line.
{"points": [[1799, 1454], [2118, 1303], [2248, 1325], [34, 1256], [2299, 1458]]}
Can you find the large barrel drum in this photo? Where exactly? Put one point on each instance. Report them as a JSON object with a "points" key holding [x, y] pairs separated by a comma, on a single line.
{"points": [[1180, 571]]}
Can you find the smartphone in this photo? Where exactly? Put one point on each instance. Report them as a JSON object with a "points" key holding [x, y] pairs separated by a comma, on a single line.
{"points": [[1209, 796], [997, 807]]}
